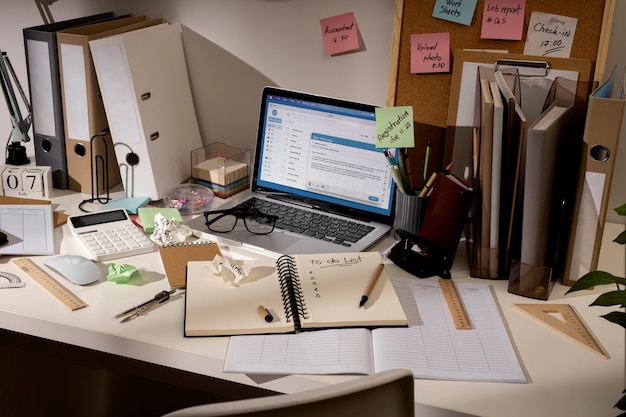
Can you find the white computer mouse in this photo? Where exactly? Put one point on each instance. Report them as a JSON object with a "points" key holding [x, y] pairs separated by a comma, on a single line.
{"points": [[75, 268]]}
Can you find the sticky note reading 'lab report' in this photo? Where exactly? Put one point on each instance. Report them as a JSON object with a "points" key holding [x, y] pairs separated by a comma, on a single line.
{"points": [[503, 19], [394, 127], [430, 52], [340, 33], [457, 11]]}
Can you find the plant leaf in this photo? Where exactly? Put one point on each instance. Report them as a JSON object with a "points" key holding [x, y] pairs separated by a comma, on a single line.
{"points": [[617, 317], [621, 210], [621, 238], [593, 278], [611, 298], [621, 404]]}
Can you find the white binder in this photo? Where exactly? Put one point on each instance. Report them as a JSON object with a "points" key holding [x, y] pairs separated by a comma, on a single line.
{"points": [[147, 97]]}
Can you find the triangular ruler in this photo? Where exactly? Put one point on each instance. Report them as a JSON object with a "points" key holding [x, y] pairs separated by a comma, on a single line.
{"points": [[571, 326]]}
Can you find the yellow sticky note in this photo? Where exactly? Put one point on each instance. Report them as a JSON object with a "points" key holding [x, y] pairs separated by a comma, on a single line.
{"points": [[394, 127]]}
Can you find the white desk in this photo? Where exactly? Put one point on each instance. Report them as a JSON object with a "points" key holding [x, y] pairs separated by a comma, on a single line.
{"points": [[564, 378]]}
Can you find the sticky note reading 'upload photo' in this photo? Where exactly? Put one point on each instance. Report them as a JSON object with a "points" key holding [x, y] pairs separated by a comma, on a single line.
{"points": [[340, 33], [430, 52]]}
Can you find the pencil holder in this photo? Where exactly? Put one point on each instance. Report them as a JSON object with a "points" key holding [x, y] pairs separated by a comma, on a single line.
{"points": [[531, 281], [410, 210]]}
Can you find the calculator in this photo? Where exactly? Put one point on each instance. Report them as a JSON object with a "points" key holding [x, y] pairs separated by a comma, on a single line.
{"points": [[109, 234]]}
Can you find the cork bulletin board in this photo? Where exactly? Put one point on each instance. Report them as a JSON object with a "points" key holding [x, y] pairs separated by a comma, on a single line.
{"points": [[429, 94]]}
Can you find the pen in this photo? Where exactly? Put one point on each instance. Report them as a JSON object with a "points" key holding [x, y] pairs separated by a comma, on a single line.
{"points": [[428, 185], [403, 176], [407, 170], [265, 313], [159, 298], [368, 291], [395, 173], [427, 159]]}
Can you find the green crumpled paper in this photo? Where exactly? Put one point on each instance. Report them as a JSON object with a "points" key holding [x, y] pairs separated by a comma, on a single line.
{"points": [[120, 273]]}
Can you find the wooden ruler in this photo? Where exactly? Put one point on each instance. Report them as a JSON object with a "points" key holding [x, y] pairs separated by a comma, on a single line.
{"points": [[455, 305], [571, 326], [53, 286]]}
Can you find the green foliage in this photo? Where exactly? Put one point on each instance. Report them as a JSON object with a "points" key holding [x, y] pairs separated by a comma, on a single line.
{"points": [[615, 297]]}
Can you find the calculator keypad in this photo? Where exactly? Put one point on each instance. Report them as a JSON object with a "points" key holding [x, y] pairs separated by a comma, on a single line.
{"points": [[126, 240]]}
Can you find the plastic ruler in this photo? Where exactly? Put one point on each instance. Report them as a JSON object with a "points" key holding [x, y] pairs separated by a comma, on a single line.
{"points": [[571, 326], [455, 305], [50, 284]]}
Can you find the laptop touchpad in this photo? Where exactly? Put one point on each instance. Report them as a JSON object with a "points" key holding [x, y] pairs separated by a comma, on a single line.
{"points": [[276, 241]]}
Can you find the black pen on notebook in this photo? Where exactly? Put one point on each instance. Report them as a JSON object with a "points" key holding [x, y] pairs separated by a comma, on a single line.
{"points": [[370, 286], [265, 314]]}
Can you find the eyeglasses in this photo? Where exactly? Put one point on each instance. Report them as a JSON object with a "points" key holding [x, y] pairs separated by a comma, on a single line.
{"points": [[224, 221]]}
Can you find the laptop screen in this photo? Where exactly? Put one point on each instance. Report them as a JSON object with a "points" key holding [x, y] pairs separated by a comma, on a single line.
{"points": [[323, 149]]}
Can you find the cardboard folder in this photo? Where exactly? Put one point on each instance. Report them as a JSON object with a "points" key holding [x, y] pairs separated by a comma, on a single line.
{"points": [[91, 162], [601, 138]]}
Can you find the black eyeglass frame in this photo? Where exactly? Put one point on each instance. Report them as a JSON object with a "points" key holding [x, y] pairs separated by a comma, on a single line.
{"points": [[239, 213]]}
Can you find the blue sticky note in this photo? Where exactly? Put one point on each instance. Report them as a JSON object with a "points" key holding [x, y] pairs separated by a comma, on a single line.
{"points": [[457, 11]]}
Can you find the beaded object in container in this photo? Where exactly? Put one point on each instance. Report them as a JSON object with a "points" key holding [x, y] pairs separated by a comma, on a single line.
{"points": [[189, 198]]}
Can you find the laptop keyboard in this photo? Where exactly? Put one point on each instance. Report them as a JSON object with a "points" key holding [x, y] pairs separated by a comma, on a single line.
{"points": [[307, 223]]}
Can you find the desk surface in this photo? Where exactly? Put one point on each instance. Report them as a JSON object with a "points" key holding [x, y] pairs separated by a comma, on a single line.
{"points": [[564, 378]]}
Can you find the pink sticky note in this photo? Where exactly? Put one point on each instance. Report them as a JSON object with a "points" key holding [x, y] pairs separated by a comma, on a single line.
{"points": [[503, 19], [340, 33], [430, 52]]}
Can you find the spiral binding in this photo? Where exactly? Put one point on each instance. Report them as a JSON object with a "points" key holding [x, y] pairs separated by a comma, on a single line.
{"points": [[191, 243], [291, 291]]}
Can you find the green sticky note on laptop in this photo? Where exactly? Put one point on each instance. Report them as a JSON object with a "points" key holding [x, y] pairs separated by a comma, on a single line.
{"points": [[146, 216]]}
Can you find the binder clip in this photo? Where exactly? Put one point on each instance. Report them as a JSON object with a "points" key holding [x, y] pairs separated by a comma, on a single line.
{"points": [[416, 256]]}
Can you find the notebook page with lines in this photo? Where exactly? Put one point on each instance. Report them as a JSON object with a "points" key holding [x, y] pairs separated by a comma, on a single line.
{"points": [[431, 347]]}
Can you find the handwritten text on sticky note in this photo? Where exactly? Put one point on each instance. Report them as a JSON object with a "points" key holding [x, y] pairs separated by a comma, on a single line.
{"points": [[394, 127], [503, 19], [550, 35], [457, 11], [340, 33], [430, 52]]}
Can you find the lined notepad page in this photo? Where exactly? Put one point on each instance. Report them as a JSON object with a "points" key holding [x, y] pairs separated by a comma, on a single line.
{"points": [[335, 351], [433, 348]]}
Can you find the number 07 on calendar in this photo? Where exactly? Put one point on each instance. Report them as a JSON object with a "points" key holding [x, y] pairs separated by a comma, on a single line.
{"points": [[27, 181]]}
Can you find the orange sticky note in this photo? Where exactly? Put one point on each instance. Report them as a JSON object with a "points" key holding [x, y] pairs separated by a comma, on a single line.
{"points": [[340, 33], [430, 52], [503, 19]]}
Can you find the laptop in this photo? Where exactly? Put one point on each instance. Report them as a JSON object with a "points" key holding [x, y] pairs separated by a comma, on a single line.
{"points": [[316, 154]]}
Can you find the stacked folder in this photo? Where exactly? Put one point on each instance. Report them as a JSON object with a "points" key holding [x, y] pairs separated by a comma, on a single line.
{"points": [[527, 137], [91, 163]]}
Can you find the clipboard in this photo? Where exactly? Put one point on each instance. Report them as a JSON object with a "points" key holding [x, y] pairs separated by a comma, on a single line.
{"points": [[599, 153], [529, 67]]}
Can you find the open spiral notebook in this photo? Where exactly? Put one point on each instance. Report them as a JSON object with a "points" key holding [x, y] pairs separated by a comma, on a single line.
{"points": [[301, 292]]}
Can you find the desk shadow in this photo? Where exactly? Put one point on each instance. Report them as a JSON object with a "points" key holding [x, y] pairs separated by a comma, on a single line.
{"points": [[264, 378], [226, 92]]}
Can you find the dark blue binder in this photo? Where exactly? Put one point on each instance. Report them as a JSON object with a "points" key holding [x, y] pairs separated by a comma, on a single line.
{"points": [[42, 61]]}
